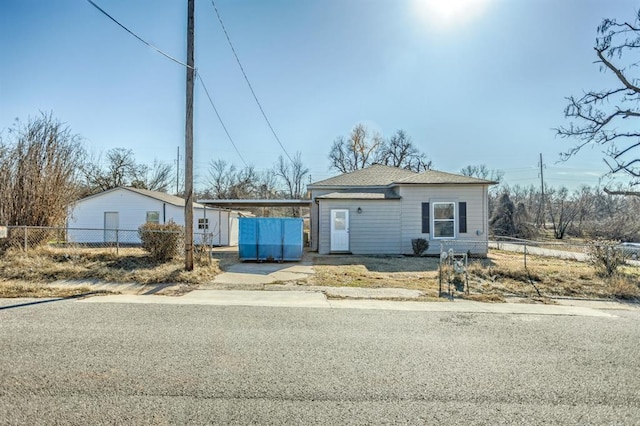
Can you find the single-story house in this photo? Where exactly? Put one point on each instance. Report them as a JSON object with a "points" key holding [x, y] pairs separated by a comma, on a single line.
{"points": [[116, 214], [380, 209]]}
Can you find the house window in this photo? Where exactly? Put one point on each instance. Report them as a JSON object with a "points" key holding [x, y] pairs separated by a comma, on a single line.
{"points": [[203, 223], [444, 220], [153, 217]]}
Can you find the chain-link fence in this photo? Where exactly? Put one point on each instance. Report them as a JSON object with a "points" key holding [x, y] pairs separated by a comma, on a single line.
{"points": [[528, 268], [556, 249], [74, 240]]}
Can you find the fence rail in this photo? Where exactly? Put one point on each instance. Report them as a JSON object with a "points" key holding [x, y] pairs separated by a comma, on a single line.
{"points": [[119, 241]]}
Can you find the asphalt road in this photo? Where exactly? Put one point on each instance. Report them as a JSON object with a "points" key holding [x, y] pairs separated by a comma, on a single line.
{"points": [[82, 363]]}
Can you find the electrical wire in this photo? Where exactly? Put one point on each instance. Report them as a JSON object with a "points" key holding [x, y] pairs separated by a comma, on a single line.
{"points": [[138, 37], [220, 118], [224, 29], [184, 65]]}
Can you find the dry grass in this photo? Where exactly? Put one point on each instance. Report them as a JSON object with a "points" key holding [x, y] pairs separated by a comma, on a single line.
{"points": [[377, 272], [500, 275], [22, 289], [46, 265]]}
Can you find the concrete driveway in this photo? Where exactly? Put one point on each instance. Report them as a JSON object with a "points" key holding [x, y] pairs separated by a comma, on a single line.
{"points": [[265, 273]]}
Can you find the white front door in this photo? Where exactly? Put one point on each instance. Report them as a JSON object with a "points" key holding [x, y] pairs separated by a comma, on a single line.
{"points": [[110, 227], [340, 230]]}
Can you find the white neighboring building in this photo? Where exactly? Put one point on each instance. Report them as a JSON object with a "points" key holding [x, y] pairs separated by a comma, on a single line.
{"points": [[116, 214]]}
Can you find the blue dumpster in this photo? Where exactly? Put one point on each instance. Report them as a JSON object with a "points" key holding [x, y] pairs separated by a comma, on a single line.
{"points": [[273, 239]]}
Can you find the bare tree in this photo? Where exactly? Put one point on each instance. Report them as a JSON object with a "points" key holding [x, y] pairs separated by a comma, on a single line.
{"points": [[220, 177], [158, 177], [357, 152], [120, 168], [364, 148], [267, 186], [562, 211], [482, 172], [38, 167], [292, 174], [601, 116], [399, 151], [227, 182], [245, 183]]}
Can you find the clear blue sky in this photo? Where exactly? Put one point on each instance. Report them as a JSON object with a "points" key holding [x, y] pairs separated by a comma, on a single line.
{"points": [[481, 83]]}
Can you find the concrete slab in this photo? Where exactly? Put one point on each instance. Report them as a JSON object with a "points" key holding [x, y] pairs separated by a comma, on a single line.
{"points": [[98, 285], [470, 307], [306, 299], [264, 273], [353, 292], [299, 299], [599, 304]]}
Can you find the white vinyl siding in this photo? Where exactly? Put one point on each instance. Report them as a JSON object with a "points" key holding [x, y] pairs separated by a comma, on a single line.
{"points": [[314, 219], [376, 230], [475, 197], [87, 217]]}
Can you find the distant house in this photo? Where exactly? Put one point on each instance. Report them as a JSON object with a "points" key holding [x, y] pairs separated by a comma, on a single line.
{"points": [[380, 209], [116, 214]]}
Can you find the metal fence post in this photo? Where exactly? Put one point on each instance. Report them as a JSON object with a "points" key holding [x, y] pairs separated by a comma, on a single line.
{"points": [[117, 242], [525, 255], [25, 239]]}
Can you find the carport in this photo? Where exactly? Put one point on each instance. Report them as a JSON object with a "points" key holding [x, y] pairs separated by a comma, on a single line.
{"points": [[239, 204]]}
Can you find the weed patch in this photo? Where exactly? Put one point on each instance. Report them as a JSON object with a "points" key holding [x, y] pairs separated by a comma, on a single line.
{"points": [[502, 274], [46, 265]]}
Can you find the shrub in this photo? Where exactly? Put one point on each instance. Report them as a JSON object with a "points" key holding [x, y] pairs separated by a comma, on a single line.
{"points": [[163, 242], [605, 257], [419, 245], [624, 288]]}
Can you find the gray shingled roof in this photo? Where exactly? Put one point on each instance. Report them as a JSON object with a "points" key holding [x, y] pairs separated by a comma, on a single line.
{"points": [[382, 194], [379, 175], [437, 177], [376, 175]]}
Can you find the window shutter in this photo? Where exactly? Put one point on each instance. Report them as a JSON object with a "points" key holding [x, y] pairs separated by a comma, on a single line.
{"points": [[462, 217], [425, 218]]}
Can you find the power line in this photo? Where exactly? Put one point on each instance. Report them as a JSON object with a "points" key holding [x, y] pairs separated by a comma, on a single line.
{"points": [[220, 118], [136, 36], [224, 29], [178, 62]]}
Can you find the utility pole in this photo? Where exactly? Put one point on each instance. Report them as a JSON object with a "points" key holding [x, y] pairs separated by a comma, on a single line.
{"points": [[540, 219], [178, 173], [188, 160]]}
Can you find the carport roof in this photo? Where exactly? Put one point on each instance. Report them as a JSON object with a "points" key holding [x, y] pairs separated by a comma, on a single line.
{"points": [[239, 203]]}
